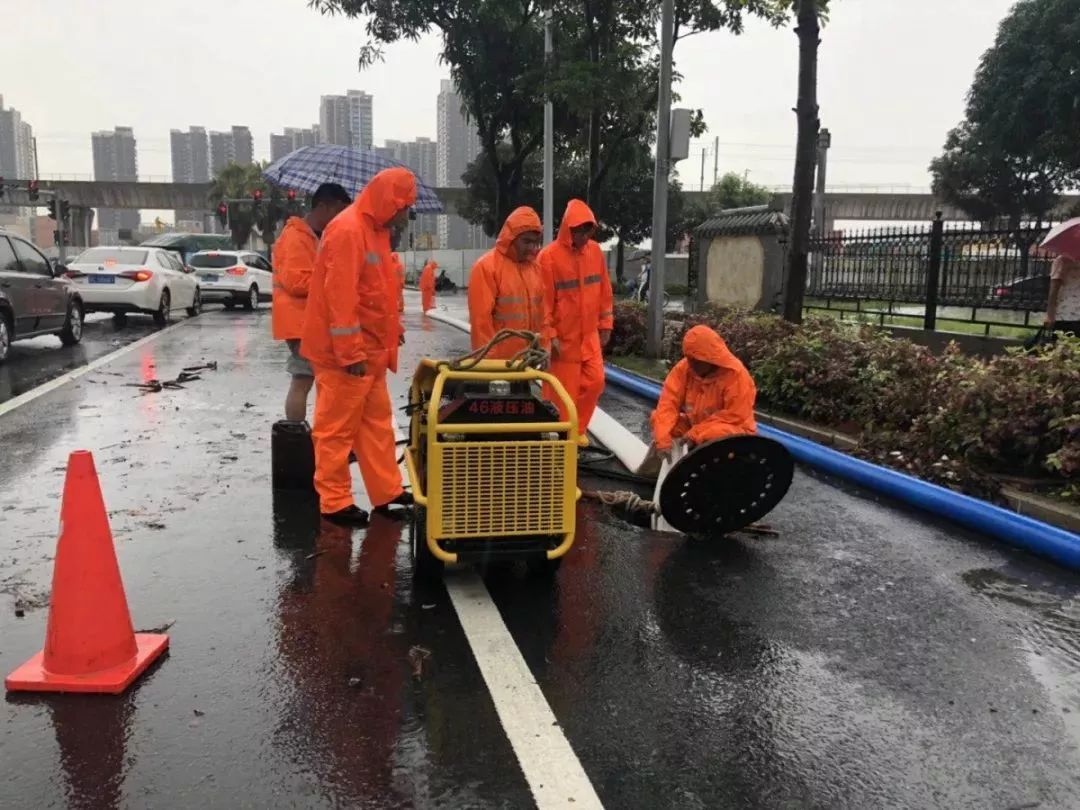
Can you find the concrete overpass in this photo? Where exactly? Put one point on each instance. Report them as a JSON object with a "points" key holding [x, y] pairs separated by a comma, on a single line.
{"points": [[839, 205]]}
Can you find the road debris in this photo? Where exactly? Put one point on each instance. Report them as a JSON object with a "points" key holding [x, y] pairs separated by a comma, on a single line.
{"points": [[418, 656], [186, 375]]}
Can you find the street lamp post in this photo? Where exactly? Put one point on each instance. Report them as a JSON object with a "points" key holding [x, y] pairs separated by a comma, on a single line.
{"points": [[654, 335], [549, 136]]}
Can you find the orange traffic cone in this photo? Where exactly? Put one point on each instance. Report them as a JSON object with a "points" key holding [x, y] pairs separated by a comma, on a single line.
{"points": [[90, 645]]}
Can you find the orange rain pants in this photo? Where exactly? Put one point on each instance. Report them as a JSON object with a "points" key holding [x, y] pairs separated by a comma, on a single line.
{"points": [[353, 414], [579, 300], [352, 317], [705, 408], [427, 286]]}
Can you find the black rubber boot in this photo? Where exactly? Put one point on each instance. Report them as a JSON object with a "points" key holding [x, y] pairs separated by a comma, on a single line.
{"points": [[350, 516], [405, 500]]}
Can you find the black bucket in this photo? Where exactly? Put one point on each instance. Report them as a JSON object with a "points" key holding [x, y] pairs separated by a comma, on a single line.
{"points": [[292, 456]]}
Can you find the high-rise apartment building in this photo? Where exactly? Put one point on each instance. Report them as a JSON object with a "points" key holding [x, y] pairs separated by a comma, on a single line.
{"points": [[458, 146], [348, 120], [292, 139], [190, 164], [17, 162], [234, 146], [115, 158]]}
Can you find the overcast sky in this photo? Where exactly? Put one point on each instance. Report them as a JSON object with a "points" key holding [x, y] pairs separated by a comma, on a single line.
{"points": [[893, 75]]}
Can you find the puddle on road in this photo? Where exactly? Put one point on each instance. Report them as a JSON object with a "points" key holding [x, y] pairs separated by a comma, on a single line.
{"points": [[1048, 626]]}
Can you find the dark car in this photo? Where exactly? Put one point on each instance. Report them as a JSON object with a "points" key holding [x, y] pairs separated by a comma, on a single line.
{"points": [[35, 298], [1021, 293]]}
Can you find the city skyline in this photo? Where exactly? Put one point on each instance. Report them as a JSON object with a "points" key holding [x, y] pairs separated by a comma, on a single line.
{"points": [[889, 116]]}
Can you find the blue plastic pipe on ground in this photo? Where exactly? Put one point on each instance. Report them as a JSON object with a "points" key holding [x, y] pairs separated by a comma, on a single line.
{"points": [[1018, 530]]}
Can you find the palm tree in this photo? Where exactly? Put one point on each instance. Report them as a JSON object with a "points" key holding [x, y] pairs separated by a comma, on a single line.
{"points": [[236, 182]]}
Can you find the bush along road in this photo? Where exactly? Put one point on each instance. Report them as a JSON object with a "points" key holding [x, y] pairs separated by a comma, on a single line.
{"points": [[959, 421]]}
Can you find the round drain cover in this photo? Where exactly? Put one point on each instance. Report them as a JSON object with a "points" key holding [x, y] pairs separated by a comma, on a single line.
{"points": [[725, 485]]}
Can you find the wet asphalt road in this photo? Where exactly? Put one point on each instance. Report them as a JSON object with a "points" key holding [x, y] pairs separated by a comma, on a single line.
{"points": [[865, 658], [33, 362]]}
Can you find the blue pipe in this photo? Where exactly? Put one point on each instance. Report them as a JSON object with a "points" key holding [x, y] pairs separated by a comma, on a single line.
{"points": [[1017, 530]]}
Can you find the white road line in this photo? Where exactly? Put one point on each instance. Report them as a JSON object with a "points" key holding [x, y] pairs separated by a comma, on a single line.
{"points": [[74, 374], [551, 767]]}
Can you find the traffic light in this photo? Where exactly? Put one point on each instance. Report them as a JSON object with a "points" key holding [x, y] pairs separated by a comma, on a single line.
{"points": [[32, 190], [51, 205], [290, 194], [1, 188], [223, 213], [65, 210]]}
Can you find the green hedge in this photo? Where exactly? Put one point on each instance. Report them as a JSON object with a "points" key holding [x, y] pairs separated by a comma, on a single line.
{"points": [[949, 418]]}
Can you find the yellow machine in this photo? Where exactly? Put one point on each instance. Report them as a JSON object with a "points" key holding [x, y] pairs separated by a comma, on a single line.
{"points": [[492, 465]]}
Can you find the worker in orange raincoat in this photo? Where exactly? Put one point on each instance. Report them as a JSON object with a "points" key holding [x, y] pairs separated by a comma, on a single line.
{"points": [[579, 297], [351, 335], [708, 395], [427, 286], [506, 290], [293, 261]]}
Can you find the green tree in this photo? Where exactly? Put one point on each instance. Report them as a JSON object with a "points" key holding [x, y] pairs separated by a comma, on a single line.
{"points": [[237, 182], [808, 30], [1017, 148], [603, 77]]}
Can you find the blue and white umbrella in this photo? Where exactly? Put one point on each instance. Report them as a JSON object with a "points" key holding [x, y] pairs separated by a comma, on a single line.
{"points": [[310, 166]]}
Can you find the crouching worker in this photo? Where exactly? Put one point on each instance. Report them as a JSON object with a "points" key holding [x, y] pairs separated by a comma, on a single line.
{"points": [[708, 395]]}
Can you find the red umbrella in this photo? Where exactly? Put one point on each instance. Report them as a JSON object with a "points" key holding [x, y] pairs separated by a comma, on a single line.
{"points": [[1064, 238]]}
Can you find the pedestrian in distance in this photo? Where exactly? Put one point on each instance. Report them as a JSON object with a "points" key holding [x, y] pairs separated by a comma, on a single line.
{"points": [[351, 336], [1063, 301], [506, 290], [579, 299], [427, 286], [293, 262], [708, 395]]}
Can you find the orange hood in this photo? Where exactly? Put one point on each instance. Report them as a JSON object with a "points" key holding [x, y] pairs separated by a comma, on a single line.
{"points": [[702, 343], [577, 213], [521, 220], [387, 193], [298, 224]]}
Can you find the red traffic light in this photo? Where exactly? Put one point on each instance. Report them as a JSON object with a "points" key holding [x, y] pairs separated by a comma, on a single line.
{"points": [[222, 208], [291, 194], [32, 189], [256, 195]]}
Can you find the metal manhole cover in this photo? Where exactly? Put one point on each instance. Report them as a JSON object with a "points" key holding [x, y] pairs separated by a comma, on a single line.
{"points": [[725, 485]]}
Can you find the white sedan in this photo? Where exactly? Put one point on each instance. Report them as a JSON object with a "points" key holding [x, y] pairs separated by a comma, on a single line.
{"points": [[123, 280], [233, 277]]}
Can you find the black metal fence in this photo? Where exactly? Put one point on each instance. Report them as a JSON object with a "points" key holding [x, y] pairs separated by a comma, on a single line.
{"points": [[963, 266]]}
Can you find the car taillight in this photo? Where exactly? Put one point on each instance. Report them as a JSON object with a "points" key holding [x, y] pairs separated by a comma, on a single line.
{"points": [[74, 274], [1001, 292], [236, 271], [137, 275]]}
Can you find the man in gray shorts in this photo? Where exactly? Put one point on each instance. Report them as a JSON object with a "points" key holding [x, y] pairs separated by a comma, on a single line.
{"points": [[294, 261]]}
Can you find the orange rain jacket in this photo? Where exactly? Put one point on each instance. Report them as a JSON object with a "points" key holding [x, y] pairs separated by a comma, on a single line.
{"points": [[705, 408], [427, 285], [504, 293], [399, 268], [293, 261], [577, 286], [352, 313]]}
